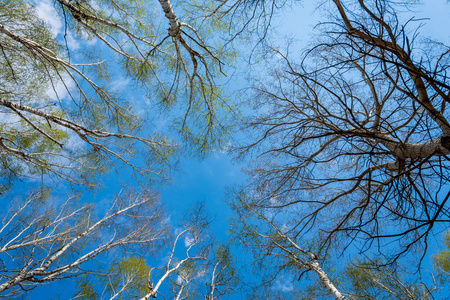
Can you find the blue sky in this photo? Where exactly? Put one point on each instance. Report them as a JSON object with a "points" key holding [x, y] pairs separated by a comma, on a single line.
{"points": [[206, 180]]}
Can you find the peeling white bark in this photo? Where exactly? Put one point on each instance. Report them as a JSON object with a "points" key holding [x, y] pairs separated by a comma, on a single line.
{"points": [[170, 14], [310, 262], [313, 265], [169, 270], [26, 42], [47, 265], [326, 282]]}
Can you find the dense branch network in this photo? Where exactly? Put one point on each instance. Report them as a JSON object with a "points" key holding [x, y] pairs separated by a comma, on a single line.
{"points": [[40, 244], [34, 64], [358, 132], [276, 251]]}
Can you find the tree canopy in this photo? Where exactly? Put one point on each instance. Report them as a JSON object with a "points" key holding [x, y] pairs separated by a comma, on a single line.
{"points": [[346, 145], [63, 117], [356, 131]]}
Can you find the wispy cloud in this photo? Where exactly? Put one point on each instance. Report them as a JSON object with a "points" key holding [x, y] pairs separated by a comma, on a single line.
{"points": [[188, 240], [281, 284], [60, 89], [47, 12]]}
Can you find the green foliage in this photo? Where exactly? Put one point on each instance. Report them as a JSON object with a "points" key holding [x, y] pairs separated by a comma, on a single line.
{"points": [[186, 274], [114, 37], [441, 260], [132, 272], [22, 135], [85, 289], [374, 280], [127, 278], [228, 274], [21, 74]]}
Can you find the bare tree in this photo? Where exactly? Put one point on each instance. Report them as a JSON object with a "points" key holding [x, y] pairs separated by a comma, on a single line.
{"points": [[244, 17], [355, 137], [132, 277], [217, 272], [43, 240]]}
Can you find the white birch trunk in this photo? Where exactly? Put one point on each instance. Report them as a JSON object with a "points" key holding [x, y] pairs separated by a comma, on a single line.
{"points": [[170, 14]]}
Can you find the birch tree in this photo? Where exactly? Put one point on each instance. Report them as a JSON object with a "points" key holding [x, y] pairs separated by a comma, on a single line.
{"points": [[183, 270], [179, 270], [369, 280], [214, 278], [277, 252], [223, 274], [177, 266], [133, 277], [43, 240], [84, 126], [179, 278], [351, 139]]}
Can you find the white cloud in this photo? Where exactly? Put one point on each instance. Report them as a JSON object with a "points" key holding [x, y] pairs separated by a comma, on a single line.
{"points": [[188, 241], [180, 280], [187, 237], [278, 55], [224, 150], [281, 284], [120, 83], [274, 200], [72, 43], [8, 118], [47, 12], [60, 88]]}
